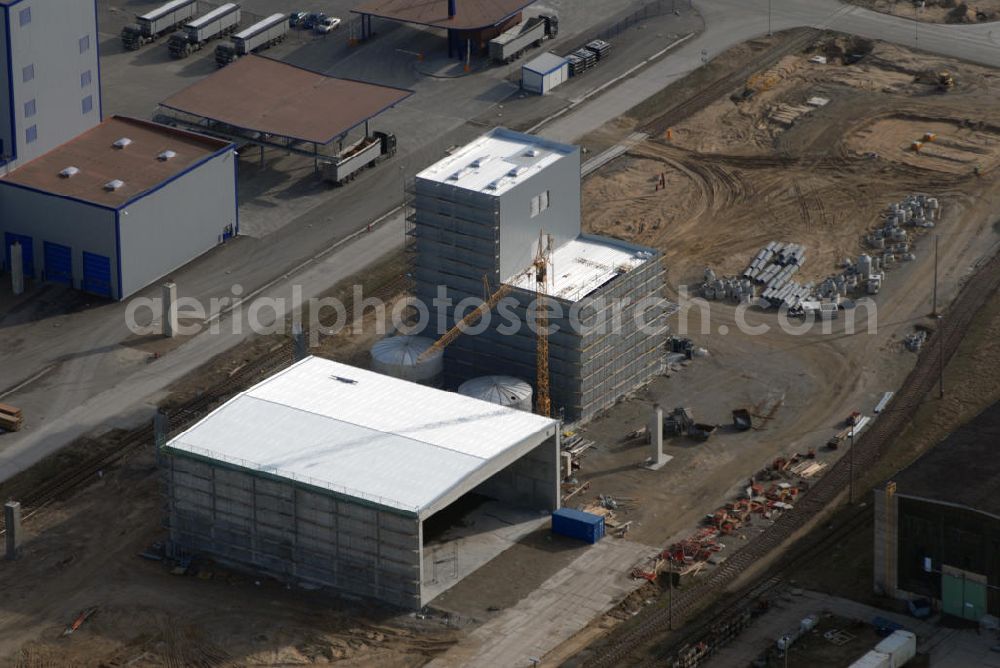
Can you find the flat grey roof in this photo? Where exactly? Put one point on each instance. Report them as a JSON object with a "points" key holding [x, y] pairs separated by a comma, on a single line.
{"points": [[470, 14], [496, 161], [963, 469], [545, 63], [99, 162], [284, 100]]}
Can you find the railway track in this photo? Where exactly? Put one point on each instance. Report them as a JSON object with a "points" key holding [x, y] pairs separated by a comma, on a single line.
{"points": [[744, 602], [59, 486], [653, 621]]}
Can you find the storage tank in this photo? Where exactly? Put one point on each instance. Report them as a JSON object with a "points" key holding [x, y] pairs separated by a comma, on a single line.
{"points": [[396, 356], [503, 390]]}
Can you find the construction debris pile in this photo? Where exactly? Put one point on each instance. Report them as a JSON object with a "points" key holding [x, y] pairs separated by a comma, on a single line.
{"points": [[771, 491], [609, 507]]}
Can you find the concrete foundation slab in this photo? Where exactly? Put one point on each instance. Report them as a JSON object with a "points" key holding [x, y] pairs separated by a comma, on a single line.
{"points": [[564, 604], [482, 535]]}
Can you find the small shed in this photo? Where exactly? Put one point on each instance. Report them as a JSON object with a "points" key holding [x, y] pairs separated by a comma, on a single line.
{"points": [[544, 73]]}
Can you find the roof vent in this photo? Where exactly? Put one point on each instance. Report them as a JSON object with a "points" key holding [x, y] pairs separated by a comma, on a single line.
{"points": [[113, 185], [531, 153], [122, 143], [69, 171], [516, 172], [479, 162], [166, 155]]}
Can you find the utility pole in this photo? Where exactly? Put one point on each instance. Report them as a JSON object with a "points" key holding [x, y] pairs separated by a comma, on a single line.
{"points": [[769, 18], [940, 336], [934, 312], [939, 331], [916, 26]]}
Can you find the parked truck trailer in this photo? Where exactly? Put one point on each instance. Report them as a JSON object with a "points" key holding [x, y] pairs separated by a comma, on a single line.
{"points": [[154, 24], [257, 37], [222, 20], [369, 150], [510, 45]]}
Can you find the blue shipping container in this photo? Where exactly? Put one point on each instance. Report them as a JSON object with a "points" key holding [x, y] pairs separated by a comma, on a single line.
{"points": [[577, 524]]}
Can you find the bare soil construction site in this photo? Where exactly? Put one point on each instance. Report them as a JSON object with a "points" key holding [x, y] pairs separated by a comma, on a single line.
{"points": [[766, 164], [804, 151]]}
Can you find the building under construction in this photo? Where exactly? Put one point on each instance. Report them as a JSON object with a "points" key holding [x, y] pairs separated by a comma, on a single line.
{"points": [[493, 209]]}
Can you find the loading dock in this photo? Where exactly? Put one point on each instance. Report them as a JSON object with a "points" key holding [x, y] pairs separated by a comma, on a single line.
{"points": [[58, 263]]}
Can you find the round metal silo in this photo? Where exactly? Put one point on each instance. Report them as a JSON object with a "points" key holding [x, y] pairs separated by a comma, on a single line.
{"points": [[503, 390], [396, 356]]}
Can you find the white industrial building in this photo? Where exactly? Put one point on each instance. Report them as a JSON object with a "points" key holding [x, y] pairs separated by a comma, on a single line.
{"points": [[49, 75], [120, 206], [326, 473], [542, 74]]}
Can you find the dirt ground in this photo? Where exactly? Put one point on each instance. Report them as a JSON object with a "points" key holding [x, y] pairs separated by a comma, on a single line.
{"points": [[821, 181], [719, 207], [937, 11]]}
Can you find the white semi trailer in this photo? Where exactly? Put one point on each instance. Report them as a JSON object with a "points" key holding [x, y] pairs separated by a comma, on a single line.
{"points": [[510, 45], [257, 37], [156, 23], [195, 34], [369, 150]]}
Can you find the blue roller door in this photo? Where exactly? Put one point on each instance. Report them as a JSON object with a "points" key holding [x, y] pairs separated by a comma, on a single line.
{"points": [[58, 263], [27, 252], [96, 274]]}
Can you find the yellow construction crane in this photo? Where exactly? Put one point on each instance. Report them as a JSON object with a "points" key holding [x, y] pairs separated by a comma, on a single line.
{"points": [[542, 266], [470, 319]]}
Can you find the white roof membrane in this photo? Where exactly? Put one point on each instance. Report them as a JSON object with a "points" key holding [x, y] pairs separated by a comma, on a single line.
{"points": [[584, 264], [380, 439], [495, 162]]}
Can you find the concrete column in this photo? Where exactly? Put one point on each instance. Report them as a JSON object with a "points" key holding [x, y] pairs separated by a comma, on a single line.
{"points": [[16, 268], [658, 459], [886, 555], [12, 520], [567, 464], [169, 320]]}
